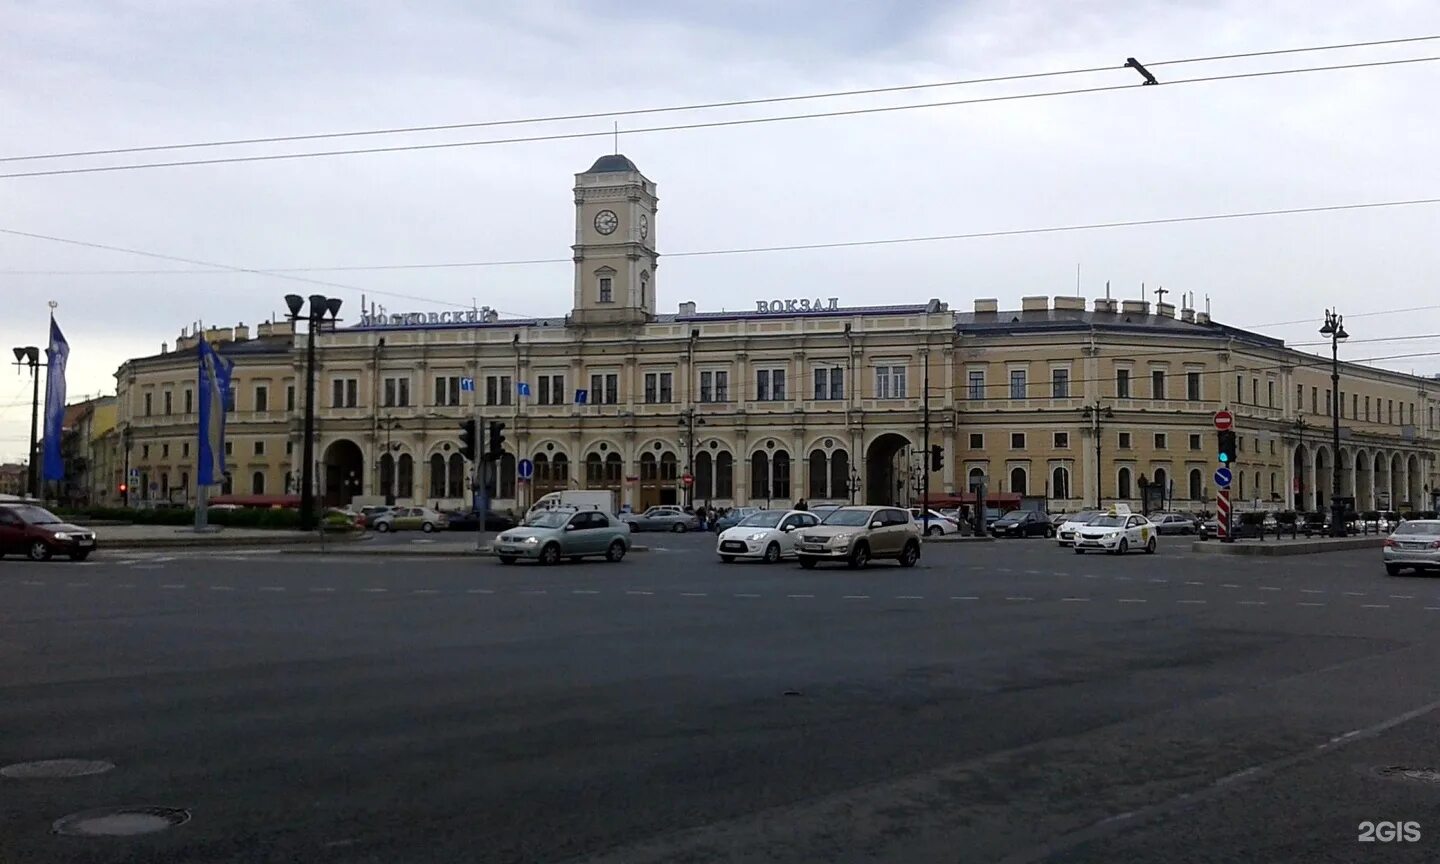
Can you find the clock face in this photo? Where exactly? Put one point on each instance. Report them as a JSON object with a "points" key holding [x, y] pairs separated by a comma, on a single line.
{"points": [[606, 221], [644, 226]]}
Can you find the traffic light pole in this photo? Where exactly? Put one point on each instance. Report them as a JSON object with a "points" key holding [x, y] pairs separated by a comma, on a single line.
{"points": [[928, 456], [478, 483]]}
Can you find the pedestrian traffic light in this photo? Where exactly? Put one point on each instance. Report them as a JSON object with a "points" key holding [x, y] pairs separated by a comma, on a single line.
{"points": [[937, 457], [1227, 446], [468, 435], [497, 440]]}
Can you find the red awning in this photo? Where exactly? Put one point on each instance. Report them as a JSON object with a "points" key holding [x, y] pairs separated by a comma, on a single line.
{"points": [[257, 500]]}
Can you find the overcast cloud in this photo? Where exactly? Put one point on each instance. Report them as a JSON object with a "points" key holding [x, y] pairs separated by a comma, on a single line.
{"points": [[81, 75]]}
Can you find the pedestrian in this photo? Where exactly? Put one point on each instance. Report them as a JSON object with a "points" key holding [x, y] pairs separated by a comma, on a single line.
{"points": [[802, 504]]}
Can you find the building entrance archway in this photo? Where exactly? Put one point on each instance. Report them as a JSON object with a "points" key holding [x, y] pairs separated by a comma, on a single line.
{"points": [[887, 469], [344, 472]]}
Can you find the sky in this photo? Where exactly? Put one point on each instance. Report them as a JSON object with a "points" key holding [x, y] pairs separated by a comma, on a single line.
{"points": [[81, 75]]}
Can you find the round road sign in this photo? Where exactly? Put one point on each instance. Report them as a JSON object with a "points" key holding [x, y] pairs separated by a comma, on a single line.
{"points": [[1222, 477], [688, 479], [1224, 420], [525, 468]]}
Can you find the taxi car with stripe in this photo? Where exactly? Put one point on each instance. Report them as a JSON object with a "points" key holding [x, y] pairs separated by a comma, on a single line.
{"points": [[1116, 532]]}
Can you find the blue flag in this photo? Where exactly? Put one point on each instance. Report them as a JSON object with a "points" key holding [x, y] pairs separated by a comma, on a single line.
{"points": [[214, 391], [58, 353]]}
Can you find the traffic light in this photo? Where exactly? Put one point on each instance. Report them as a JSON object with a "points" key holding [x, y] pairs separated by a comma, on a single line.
{"points": [[468, 436], [1227, 446], [937, 457], [497, 440], [124, 491]]}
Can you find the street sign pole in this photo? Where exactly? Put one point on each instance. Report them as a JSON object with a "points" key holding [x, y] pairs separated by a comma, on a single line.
{"points": [[1222, 514]]}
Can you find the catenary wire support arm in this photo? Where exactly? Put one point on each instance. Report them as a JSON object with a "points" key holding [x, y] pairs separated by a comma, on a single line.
{"points": [[1132, 63]]}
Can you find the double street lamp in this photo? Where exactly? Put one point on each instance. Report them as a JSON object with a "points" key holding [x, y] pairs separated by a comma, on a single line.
{"points": [[30, 356], [1335, 328], [320, 305]]}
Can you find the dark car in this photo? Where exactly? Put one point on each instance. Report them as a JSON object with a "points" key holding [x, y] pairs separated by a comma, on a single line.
{"points": [[469, 520], [38, 533], [1023, 523]]}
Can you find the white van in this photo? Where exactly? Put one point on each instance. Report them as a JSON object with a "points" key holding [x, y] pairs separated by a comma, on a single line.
{"points": [[579, 499]]}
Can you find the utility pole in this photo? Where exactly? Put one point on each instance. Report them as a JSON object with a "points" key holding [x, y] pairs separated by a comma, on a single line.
{"points": [[925, 456], [1335, 329], [1095, 413], [30, 356]]}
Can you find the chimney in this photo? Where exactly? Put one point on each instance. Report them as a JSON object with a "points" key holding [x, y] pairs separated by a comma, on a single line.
{"points": [[687, 308], [1134, 307], [1034, 304], [263, 329], [1187, 315], [1165, 310], [1070, 304], [164, 348], [242, 332], [1105, 304], [1202, 317], [216, 335], [988, 304], [491, 316]]}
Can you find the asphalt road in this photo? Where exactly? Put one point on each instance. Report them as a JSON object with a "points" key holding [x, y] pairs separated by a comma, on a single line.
{"points": [[1002, 702]]}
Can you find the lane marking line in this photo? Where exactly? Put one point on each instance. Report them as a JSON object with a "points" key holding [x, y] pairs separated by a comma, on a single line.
{"points": [[1019, 599], [172, 586], [745, 595], [1354, 593], [324, 590], [1228, 585], [640, 592], [1194, 583], [908, 597], [1074, 599], [374, 590], [1130, 600], [1160, 581], [1402, 596], [1192, 601], [1034, 572], [221, 588], [1311, 591], [1122, 579], [1374, 605], [1268, 588], [686, 594], [534, 591]]}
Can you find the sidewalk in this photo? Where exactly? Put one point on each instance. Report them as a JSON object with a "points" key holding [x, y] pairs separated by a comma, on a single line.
{"points": [[1289, 546], [173, 537], [444, 548]]}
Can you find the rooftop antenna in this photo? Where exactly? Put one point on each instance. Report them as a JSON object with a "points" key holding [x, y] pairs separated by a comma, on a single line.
{"points": [[1107, 289], [1077, 278], [1207, 304], [617, 137], [1142, 292]]}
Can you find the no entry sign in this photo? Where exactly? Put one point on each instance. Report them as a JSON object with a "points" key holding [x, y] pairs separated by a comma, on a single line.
{"points": [[1224, 420]]}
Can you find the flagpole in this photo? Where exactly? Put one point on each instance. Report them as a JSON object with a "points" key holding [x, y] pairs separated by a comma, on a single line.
{"points": [[202, 490]]}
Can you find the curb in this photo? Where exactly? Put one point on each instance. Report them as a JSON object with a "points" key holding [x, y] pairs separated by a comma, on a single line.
{"points": [[1346, 544], [400, 552], [217, 542], [956, 538]]}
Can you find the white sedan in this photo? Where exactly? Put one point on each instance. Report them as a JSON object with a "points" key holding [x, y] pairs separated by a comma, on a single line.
{"points": [[1117, 533], [1065, 534], [768, 535], [939, 523]]}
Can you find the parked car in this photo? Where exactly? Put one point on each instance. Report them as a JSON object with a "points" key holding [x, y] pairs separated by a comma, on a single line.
{"points": [[38, 534], [768, 535], [411, 518], [664, 517], [1023, 523], [564, 533], [939, 523], [1414, 545], [823, 510], [339, 517], [733, 518], [1117, 533], [1066, 531], [856, 535], [469, 520], [1174, 523]]}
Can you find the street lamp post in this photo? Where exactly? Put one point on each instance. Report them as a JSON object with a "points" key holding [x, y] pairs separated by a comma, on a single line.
{"points": [[30, 356], [689, 421], [1095, 413], [1335, 328], [852, 484], [319, 306], [387, 482], [127, 440]]}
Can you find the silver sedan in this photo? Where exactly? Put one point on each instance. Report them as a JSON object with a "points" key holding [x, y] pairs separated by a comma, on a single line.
{"points": [[1415, 544]]}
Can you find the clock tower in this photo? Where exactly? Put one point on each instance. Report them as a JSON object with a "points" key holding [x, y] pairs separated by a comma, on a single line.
{"points": [[615, 257]]}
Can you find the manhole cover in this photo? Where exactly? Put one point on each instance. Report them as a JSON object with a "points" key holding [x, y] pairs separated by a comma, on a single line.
{"points": [[121, 821], [52, 768], [1400, 772]]}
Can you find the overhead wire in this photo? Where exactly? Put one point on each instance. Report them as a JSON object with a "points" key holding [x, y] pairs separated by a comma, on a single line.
{"points": [[713, 124], [699, 106]]}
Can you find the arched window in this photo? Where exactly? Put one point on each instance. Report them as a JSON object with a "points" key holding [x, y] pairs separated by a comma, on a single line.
{"points": [[839, 474], [704, 476], [1196, 484], [614, 470], [257, 483], [437, 476], [594, 472], [1018, 481], [644, 289], [1274, 484], [455, 485], [1060, 482], [560, 470], [1122, 483], [760, 475], [669, 468], [505, 486], [780, 470], [819, 473], [724, 475], [975, 476], [387, 476], [1162, 480], [405, 477]]}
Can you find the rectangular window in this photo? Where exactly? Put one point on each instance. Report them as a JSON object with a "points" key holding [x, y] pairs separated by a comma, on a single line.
{"points": [[607, 289], [262, 398], [977, 441], [659, 387], [397, 393], [259, 448], [149, 402], [1299, 397], [1431, 412], [1412, 414], [169, 402], [1254, 391], [1194, 441], [499, 390], [837, 382], [977, 385], [830, 383], [1017, 440], [1272, 447], [715, 386], [1123, 440], [1122, 383], [605, 388], [337, 393], [1390, 411], [769, 385], [1270, 393], [1059, 383], [144, 451], [229, 448], [551, 389], [1157, 384], [1240, 389], [289, 398], [1314, 400], [889, 382], [1062, 440], [722, 386], [447, 390], [164, 451], [352, 392], [1329, 403], [185, 450], [1160, 443], [1192, 386], [1017, 384], [289, 448]]}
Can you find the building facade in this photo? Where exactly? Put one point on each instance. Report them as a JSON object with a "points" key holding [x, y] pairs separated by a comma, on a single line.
{"points": [[801, 398]]}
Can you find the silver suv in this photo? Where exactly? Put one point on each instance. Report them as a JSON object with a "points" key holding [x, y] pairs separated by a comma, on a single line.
{"points": [[855, 535]]}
